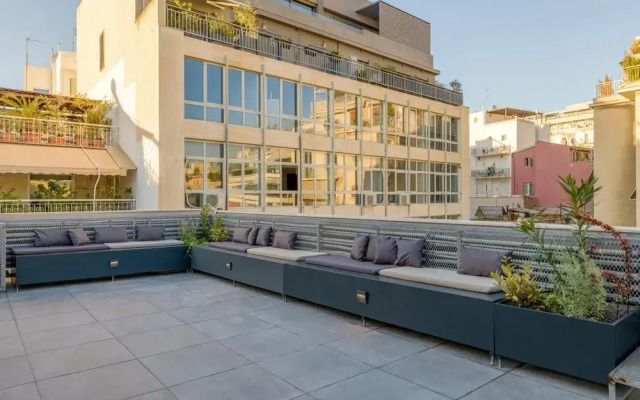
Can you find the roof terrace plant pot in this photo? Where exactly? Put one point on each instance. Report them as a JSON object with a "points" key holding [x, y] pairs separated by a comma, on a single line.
{"points": [[7, 137], [31, 137], [57, 140], [583, 348]]}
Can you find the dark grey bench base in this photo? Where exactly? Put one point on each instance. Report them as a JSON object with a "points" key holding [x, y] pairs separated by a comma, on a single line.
{"points": [[262, 272], [452, 314], [60, 267]]}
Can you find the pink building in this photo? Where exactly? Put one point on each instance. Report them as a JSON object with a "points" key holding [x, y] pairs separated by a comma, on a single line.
{"points": [[535, 170]]}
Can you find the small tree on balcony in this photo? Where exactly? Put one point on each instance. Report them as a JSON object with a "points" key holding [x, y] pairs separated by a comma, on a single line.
{"points": [[52, 190], [247, 16], [456, 86]]}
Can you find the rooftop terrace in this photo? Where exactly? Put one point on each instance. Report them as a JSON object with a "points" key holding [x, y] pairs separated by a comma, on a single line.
{"points": [[193, 336]]}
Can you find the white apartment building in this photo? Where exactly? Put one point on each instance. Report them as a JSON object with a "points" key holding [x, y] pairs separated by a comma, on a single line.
{"points": [[493, 136], [572, 125], [60, 78]]}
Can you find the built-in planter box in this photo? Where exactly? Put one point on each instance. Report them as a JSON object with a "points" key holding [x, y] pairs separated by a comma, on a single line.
{"points": [[582, 348]]}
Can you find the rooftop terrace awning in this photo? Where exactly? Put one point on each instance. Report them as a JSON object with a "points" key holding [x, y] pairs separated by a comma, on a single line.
{"points": [[37, 159]]}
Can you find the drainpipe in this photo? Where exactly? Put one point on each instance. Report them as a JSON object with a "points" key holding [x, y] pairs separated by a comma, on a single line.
{"points": [[320, 6], [95, 186]]}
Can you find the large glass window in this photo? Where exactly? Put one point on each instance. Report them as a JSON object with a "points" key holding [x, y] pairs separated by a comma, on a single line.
{"points": [[281, 104], [372, 120], [444, 133], [444, 183], [373, 182], [418, 182], [345, 115], [346, 179], [282, 177], [315, 110], [243, 176], [203, 91], [395, 125], [244, 98], [315, 178], [396, 181], [417, 130], [436, 136], [204, 173]]}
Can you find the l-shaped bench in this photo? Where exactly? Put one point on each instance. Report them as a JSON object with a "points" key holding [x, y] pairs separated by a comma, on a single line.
{"points": [[453, 314]]}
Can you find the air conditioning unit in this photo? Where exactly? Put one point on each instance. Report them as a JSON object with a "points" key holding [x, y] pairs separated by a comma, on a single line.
{"points": [[370, 200]]}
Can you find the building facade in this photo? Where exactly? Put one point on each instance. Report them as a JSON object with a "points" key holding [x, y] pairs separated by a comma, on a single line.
{"points": [[535, 171], [60, 78], [324, 107], [616, 154], [571, 126], [494, 135]]}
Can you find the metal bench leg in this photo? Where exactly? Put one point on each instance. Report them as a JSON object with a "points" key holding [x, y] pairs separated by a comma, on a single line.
{"points": [[491, 359], [364, 321], [284, 297], [499, 362], [612, 391]]}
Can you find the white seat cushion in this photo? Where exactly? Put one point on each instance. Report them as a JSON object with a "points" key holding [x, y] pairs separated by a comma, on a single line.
{"points": [[443, 277], [283, 254], [149, 243]]}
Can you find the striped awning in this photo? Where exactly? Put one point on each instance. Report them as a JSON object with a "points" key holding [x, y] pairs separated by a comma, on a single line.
{"points": [[44, 159]]}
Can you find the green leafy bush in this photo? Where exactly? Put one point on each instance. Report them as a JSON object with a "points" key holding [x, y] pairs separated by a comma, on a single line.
{"points": [[218, 232], [188, 233], [520, 287], [579, 289]]}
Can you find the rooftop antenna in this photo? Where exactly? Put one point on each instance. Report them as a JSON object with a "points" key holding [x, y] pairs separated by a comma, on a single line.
{"points": [[26, 59]]}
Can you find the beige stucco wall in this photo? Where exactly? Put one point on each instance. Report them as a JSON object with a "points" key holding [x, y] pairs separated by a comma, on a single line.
{"points": [[37, 78], [64, 73], [615, 160], [130, 78]]}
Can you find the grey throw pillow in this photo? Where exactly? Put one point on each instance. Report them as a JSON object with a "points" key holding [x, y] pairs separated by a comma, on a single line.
{"points": [[480, 262], [78, 237], [52, 237], [111, 234], [359, 247], [386, 251], [285, 240], [409, 252], [264, 235], [371, 249], [253, 235], [148, 233], [241, 235]]}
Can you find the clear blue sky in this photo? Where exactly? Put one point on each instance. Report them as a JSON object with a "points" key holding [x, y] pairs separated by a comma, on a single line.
{"points": [[542, 54]]}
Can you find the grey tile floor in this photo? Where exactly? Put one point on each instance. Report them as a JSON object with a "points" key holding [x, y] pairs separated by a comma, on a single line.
{"points": [[193, 336]]}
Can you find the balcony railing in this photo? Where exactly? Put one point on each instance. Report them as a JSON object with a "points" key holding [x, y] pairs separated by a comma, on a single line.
{"points": [[203, 26], [631, 74], [491, 173], [608, 88], [56, 132], [310, 12], [65, 205], [484, 151]]}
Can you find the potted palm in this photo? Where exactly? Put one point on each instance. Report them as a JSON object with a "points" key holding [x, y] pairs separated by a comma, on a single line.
{"points": [[28, 109]]}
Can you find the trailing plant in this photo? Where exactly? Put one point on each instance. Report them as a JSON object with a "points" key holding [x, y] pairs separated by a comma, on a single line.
{"points": [[22, 107], [520, 287], [335, 53], [580, 291], [52, 190], [218, 232]]}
